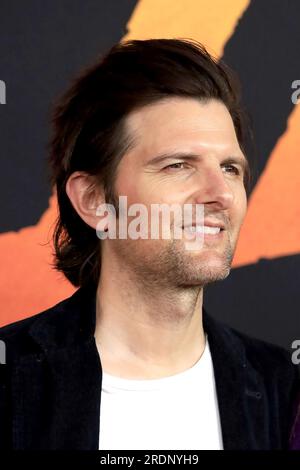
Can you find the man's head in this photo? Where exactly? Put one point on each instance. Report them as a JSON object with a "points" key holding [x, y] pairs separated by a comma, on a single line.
{"points": [[144, 100]]}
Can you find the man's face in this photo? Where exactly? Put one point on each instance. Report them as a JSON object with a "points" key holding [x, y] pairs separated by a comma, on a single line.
{"points": [[204, 134]]}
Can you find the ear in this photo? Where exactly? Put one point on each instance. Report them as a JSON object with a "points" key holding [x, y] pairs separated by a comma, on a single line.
{"points": [[85, 195]]}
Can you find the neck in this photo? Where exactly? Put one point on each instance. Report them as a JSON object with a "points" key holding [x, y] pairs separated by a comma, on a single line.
{"points": [[146, 333]]}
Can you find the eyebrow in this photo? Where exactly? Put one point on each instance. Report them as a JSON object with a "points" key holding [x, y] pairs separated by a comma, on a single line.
{"points": [[243, 162]]}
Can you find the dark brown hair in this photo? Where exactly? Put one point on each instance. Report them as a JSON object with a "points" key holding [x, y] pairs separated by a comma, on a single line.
{"points": [[89, 131]]}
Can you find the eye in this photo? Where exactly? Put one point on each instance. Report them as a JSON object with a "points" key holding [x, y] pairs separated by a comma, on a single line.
{"points": [[174, 166], [232, 169]]}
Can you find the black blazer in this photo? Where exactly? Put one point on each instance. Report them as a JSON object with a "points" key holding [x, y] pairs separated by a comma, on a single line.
{"points": [[51, 383]]}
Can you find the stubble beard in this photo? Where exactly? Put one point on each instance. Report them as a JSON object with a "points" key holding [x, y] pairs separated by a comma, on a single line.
{"points": [[172, 266]]}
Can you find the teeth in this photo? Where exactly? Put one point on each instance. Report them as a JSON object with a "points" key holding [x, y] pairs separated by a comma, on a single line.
{"points": [[204, 229]]}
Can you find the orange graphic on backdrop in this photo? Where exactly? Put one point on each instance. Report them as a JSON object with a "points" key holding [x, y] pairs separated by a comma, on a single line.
{"points": [[271, 229]]}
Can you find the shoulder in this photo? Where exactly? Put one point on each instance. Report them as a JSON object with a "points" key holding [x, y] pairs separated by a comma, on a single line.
{"points": [[65, 323], [274, 367], [273, 362], [270, 361], [16, 336], [265, 356]]}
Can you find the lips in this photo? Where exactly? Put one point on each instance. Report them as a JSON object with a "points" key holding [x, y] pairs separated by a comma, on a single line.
{"points": [[203, 229], [208, 224]]}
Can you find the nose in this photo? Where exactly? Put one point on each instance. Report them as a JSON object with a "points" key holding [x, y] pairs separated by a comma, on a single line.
{"points": [[214, 189]]}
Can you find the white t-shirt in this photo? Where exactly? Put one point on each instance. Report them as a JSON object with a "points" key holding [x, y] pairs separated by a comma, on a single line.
{"points": [[179, 412]]}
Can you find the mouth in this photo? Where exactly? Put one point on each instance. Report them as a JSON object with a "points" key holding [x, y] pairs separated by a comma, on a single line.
{"points": [[206, 225], [208, 234], [206, 229]]}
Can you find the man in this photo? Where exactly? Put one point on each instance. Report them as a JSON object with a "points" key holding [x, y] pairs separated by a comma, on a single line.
{"points": [[132, 360]]}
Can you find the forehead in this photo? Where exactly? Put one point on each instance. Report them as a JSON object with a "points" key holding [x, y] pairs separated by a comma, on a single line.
{"points": [[183, 124]]}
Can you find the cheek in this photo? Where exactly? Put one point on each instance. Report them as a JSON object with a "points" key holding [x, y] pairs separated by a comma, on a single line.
{"points": [[141, 190]]}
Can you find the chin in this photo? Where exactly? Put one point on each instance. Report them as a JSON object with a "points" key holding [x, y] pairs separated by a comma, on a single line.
{"points": [[206, 274], [217, 275], [214, 272]]}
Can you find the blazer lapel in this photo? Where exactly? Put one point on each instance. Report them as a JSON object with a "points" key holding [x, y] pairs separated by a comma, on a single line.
{"points": [[239, 390]]}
